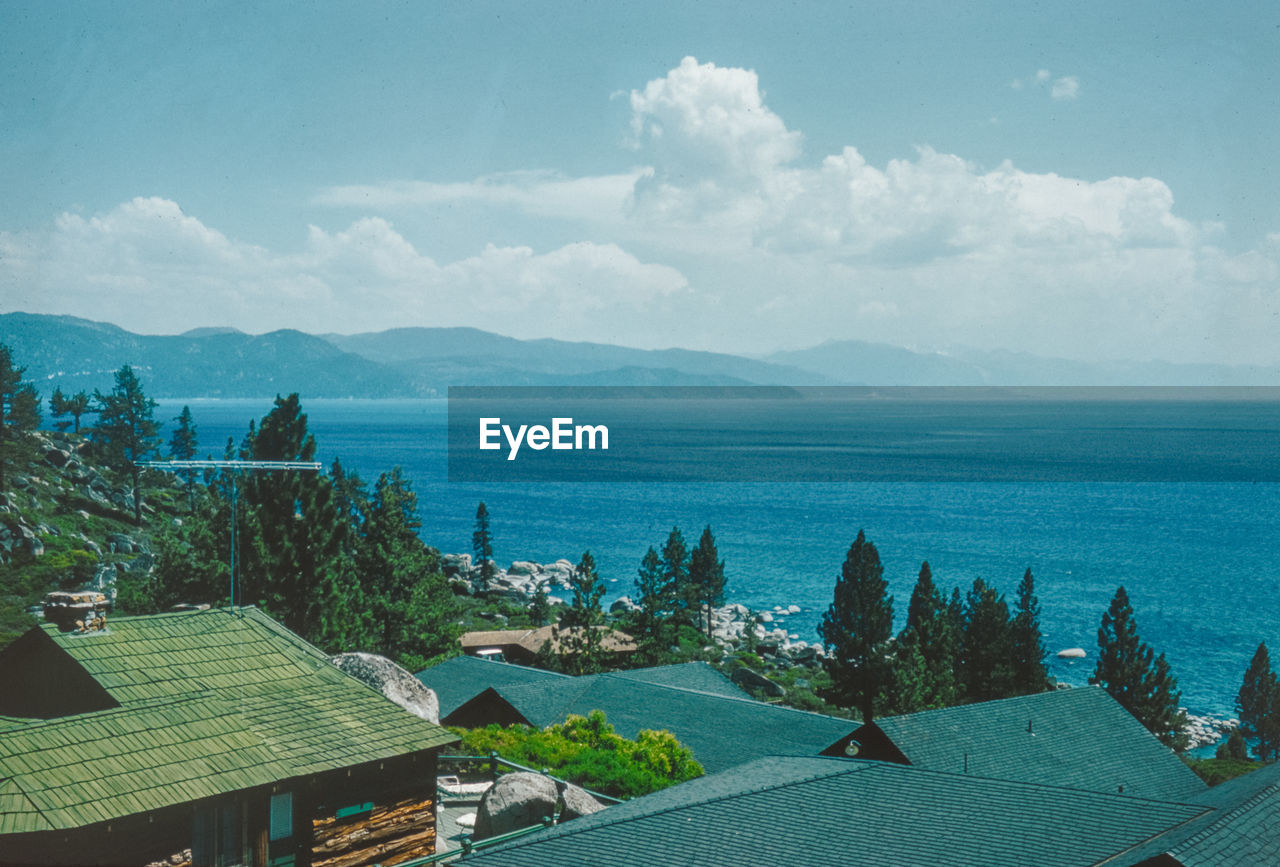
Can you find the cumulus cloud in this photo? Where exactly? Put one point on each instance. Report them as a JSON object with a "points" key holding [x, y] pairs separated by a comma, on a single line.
{"points": [[148, 259], [748, 244]]}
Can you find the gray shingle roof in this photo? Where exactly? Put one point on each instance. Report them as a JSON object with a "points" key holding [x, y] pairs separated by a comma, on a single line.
{"points": [[820, 811], [687, 675], [722, 731], [461, 678], [1080, 738], [1243, 831]]}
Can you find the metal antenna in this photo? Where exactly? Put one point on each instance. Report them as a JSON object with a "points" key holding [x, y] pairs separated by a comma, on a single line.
{"points": [[236, 467]]}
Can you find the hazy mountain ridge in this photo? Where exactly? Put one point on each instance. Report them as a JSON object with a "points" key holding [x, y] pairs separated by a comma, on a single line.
{"points": [[79, 354], [855, 362]]}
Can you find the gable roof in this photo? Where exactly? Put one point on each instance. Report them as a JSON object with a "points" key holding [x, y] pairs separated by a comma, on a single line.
{"points": [[461, 678], [209, 702], [722, 730], [701, 676], [1243, 831], [1081, 738], [825, 811]]}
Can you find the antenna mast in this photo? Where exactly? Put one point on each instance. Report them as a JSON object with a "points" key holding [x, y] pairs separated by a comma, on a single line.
{"points": [[236, 468]]}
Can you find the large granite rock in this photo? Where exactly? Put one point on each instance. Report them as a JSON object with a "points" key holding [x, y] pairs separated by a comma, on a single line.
{"points": [[752, 680], [522, 799], [392, 681]]}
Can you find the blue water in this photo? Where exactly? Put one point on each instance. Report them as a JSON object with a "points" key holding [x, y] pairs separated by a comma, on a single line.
{"points": [[1199, 560]]}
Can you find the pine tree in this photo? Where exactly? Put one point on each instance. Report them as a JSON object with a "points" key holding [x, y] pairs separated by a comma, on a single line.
{"points": [[1258, 704], [19, 411], [653, 599], [126, 431], [401, 584], [577, 632], [1030, 675], [928, 634], [295, 538], [1139, 680], [984, 668], [856, 630], [182, 447], [675, 576], [482, 545], [75, 406], [706, 577]]}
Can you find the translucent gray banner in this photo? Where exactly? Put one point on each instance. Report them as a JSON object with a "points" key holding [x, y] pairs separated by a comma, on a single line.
{"points": [[774, 434]]}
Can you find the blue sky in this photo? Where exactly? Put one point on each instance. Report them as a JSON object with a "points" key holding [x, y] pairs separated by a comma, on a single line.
{"points": [[1085, 180]]}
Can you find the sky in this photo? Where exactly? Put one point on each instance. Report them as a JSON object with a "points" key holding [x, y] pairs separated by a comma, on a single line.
{"points": [[1087, 180]]}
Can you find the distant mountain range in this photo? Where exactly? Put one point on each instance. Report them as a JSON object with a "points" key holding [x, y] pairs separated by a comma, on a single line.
{"points": [[76, 354]]}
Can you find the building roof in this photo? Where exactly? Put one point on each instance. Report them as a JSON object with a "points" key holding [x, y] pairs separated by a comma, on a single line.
{"points": [[1243, 830], [827, 811], [701, 676], [1081, 738], [612, 640], [722, 730], [461, 678], [205, 703]]}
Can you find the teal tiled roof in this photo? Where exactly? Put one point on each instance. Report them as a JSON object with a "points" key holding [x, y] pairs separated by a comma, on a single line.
{"points": [[1080, 738], [829, 812]]}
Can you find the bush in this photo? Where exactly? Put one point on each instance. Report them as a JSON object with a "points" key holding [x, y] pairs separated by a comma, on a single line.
{"points": [[586, 751]]}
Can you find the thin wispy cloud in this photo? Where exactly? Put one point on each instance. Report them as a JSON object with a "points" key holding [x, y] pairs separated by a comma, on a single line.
{"points": [[1062, 89]]}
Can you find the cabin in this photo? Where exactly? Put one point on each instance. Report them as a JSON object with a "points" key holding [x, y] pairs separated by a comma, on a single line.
{"points": [[521, 646], [1079, 737], [209, 739]]}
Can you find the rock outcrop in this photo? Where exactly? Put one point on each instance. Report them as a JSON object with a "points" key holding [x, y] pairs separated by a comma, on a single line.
{"points": [[392, 681], [522, 799]]}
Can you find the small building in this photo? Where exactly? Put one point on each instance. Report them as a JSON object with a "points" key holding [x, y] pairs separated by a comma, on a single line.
{"points": [[1079, 737], [521, 646], [208, 738]]}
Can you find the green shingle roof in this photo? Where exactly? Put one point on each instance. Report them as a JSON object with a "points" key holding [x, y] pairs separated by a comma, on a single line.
{"points": [[211, 702], [1079, 738], [816, 811]]}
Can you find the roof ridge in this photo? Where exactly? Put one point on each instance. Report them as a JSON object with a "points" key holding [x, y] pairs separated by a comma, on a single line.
{"points": [[34, 723], [13, 781], [1243, 807], [1052, 786], [808, 778], [746, 699], [931, 711]]}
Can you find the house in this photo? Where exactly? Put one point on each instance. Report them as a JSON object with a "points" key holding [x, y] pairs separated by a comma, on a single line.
{"points": [[1079, 737], [827, 812], [205, 738], [522, 645], [702, 708]]}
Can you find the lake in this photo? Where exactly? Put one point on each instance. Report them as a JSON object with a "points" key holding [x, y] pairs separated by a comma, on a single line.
{"points": [[1198, 558]]}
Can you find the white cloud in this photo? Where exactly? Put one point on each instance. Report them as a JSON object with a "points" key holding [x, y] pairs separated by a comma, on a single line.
{"points": [[747, 243], [1065, 88], [146, 261]]}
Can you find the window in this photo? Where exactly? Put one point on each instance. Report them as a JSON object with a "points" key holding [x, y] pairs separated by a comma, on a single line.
{"points": [[218, 838]]}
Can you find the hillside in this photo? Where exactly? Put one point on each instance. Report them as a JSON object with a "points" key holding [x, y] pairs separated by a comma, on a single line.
{"points": [[66, 523]]}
